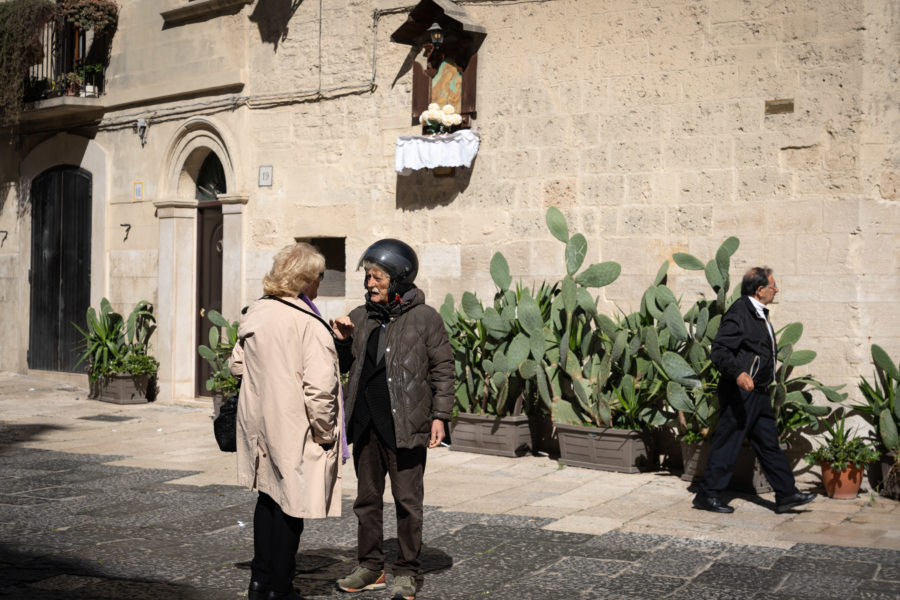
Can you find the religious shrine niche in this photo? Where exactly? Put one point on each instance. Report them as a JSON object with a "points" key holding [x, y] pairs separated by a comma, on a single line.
{"points": [[450, 40]]}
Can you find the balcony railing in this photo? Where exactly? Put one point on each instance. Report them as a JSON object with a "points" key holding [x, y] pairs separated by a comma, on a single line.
{"points": [[68, 68]]}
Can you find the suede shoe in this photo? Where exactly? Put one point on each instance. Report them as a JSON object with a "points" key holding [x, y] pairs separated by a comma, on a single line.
{"points": [[793, 501], [711, 504], [404, 588], [257, 591], [362, 579]]}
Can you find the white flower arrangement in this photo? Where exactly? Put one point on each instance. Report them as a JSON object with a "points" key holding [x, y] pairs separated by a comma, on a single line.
{"points": [[440, 120]]}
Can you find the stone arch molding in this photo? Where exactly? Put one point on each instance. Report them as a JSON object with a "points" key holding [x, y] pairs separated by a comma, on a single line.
{"points": [[198, 134], [177, 214]]}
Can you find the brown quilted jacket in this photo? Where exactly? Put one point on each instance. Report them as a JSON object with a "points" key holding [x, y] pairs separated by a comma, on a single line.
{"points": [[419, 364]]}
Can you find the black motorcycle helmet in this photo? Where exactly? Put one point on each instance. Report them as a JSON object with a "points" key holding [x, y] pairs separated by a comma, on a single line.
{"points": [[397, 259]]}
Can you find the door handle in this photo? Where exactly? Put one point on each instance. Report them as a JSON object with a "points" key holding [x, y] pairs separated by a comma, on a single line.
{"points": [[202, 312]]}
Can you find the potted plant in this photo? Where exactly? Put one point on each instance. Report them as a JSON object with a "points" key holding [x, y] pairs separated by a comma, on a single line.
{"points": [[222, 338], [489, 411], [508, 355], [843, 458], [120, 368], [881, 410], [90, 74]]}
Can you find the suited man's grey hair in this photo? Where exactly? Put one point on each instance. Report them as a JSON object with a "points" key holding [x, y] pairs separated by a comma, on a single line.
{"points": [[754, 279]]}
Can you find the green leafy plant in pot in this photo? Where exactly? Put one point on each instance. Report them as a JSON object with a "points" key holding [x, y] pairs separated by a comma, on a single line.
{"points": [[843, 459], [881, 410], [222, 339], [114, 345]]}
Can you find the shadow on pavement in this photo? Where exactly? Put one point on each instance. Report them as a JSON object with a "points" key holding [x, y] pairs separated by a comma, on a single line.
{"points": [[11, 435], [36, 577]]}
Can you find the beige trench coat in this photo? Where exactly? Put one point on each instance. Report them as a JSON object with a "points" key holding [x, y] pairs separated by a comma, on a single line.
{"points": [[288, 407]]}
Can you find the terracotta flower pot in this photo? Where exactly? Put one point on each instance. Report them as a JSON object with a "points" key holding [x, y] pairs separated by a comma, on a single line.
{"points": [[843, 485]]}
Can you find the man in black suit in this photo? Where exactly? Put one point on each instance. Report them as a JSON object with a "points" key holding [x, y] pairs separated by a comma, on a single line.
{"points": [[744, 352]]}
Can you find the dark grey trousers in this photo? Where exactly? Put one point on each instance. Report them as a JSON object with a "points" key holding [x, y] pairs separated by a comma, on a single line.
{"points": [[374, 461]]}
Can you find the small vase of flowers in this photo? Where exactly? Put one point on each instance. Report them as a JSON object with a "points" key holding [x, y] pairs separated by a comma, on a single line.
{"points": [[437, 120]]}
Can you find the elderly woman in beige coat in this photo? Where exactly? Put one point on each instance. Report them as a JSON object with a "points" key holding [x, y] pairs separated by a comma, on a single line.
{"points": [[289, 417]]}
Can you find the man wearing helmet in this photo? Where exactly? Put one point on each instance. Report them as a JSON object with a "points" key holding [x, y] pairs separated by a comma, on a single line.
{"points": [[400, 393]]}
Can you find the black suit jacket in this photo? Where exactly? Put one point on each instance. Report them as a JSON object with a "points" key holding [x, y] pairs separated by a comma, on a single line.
{"points": [[743, 335]]}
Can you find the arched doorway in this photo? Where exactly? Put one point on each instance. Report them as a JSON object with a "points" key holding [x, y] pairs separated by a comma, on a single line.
{"points": [[210, 185], [60, 274]]}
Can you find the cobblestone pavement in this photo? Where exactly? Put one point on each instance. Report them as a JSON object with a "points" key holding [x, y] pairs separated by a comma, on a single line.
{"points": [[131, 502], [75, 527]]}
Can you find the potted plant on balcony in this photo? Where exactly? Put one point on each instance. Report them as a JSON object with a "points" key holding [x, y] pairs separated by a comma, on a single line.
{"points": [[882, 411], [843, 458], [222, 338], [90, 74], [120, 367]]}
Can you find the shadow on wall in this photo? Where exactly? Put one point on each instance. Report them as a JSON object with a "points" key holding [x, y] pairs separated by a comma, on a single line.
{"points": [[422, 189], [272, 18]]}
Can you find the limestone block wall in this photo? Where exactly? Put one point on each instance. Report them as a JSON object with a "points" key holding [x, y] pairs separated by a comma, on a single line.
{"points": [[645, 122]]}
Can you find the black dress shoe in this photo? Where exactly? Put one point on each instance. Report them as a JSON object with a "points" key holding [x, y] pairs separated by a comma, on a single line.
{"points": [[711, 504], [257, 591], [793, 501]]}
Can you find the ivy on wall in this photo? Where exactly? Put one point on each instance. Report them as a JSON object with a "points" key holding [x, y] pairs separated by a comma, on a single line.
{"points": [[21, 23]]}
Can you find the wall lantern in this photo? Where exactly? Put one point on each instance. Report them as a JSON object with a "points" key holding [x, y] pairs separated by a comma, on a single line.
{"points": [[436, 34]]}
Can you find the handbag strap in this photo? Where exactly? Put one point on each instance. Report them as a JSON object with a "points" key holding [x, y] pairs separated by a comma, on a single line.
{"points": [[303, 310]]}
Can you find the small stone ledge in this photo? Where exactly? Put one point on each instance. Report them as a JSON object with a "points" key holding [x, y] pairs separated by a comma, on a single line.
{"points": [[201, 9]]}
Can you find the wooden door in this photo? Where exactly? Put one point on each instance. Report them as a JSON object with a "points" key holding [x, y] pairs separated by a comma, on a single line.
{"points": [[209, 278], [210, 183], [60, 274]]}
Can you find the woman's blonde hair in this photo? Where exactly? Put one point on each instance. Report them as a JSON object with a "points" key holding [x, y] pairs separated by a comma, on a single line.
{"points": [[294, 268]]}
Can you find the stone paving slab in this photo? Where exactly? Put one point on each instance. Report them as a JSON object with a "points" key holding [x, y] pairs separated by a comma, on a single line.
{"points": [[136, 501], [121, 545]]}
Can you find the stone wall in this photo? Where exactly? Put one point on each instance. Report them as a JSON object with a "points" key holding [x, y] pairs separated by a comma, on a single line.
{"points": [[643, 120]]}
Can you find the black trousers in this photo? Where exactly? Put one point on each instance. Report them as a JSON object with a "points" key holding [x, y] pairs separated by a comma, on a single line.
{"points": [[374, 461], [276, 537], [746, 414]]}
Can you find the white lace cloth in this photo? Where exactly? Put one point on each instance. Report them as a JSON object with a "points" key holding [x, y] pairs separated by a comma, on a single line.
{"points": [[427, 152]]}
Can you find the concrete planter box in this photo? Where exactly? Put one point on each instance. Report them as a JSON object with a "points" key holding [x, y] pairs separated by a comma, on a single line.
{"points": [[887, 486], [486, 434], [621, 450], [693, 458], [125, 389]]}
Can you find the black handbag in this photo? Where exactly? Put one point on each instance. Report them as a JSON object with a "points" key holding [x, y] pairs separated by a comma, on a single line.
{"points": [[225, 425]]}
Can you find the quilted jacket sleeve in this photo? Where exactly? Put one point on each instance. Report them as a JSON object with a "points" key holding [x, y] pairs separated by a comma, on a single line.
{"points": [[440, 365]]}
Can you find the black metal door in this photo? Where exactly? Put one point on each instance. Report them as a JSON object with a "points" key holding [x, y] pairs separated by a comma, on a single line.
{"points": [[60, 267]]}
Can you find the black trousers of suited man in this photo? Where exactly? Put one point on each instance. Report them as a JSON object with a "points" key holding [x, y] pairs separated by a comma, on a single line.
{"points": [[747, 415]]}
